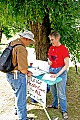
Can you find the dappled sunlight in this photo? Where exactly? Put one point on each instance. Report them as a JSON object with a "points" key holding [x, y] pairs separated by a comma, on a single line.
{"points": [[31, 106]]}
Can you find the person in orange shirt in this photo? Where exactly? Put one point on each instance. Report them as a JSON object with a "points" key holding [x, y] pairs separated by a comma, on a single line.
{"points": [[17, 77]]}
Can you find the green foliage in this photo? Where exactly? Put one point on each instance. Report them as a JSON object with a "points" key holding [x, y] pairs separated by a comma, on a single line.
{"points": [[64, 16]]}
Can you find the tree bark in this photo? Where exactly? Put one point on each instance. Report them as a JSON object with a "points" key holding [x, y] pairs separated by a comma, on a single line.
{"points": [[41, 32], [0, 35]]}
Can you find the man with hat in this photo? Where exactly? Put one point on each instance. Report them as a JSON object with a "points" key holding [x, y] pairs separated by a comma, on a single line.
{"points": [[17, 77]]}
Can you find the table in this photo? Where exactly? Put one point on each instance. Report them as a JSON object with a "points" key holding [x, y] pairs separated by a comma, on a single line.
{"points": [[37, 88]]}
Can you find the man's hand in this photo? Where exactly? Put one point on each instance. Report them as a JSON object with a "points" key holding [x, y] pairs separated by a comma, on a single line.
{"points": [[49, 62], [29, 74], [54, 76]]}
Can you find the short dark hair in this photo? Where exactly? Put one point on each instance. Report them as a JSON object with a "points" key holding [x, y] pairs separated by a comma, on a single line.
{"points": [[55, 34]]}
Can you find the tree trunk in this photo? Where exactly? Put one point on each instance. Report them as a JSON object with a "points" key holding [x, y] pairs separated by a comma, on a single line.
{"points": [[41, 32], [0, 35]]}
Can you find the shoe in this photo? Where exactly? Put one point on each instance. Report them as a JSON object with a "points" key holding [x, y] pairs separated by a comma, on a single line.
{"points": [[50, 106], [65, 115], [29, 118]]}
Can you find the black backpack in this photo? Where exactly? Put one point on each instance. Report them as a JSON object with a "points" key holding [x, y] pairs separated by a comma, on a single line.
{"points": [[6, 59]]}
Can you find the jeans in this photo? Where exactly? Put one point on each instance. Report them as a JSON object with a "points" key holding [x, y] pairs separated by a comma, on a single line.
{"points": [[19, 87], [59, 90]]}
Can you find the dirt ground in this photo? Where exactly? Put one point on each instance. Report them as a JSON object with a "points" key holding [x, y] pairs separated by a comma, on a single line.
{"points": [[7, 101]]}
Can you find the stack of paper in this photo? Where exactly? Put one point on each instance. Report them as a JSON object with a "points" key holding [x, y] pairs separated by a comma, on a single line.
{"points": [[36, 71], [48, 77]]}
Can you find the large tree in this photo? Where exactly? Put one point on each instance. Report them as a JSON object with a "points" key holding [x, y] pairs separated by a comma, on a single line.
{"points": [[42, 17]]}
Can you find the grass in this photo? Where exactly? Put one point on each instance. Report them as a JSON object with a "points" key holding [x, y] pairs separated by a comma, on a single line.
{"points": [[73, 99]]}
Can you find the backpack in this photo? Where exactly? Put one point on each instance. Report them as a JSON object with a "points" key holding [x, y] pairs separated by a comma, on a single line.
{"points": [[6, 64]]}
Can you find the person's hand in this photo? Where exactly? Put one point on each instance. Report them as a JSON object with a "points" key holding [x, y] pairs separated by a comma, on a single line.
{"points": [[29, 74], [53, 76], [49, 62]]}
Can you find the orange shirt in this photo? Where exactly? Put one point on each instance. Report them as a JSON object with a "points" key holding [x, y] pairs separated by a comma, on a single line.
{"points": [[19, 56]]}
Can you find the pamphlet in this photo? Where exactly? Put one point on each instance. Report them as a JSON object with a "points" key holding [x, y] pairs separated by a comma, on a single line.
{"points": [[48, 77], [36, 71]]}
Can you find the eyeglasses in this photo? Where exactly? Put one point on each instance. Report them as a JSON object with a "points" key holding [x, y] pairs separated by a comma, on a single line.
{"points": [[52, 40]]}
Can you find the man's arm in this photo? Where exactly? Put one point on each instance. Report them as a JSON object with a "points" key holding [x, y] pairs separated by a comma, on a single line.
{"points": [[28, 73], [66, 61]]}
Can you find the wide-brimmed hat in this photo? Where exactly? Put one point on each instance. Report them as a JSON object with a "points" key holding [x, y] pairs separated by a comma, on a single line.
{"points": [[27, 34]]}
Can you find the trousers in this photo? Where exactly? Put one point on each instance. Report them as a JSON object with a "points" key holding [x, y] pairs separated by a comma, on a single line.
{"points": [[59, 90], [19, 87]]}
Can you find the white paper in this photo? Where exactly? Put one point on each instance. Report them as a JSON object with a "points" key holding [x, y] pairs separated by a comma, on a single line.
{"points": [[36, 71], [48, 77], [42, 65]]}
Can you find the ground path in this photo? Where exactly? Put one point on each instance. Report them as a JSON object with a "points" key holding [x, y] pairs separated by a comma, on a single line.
{"points": [[7, 101]]}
